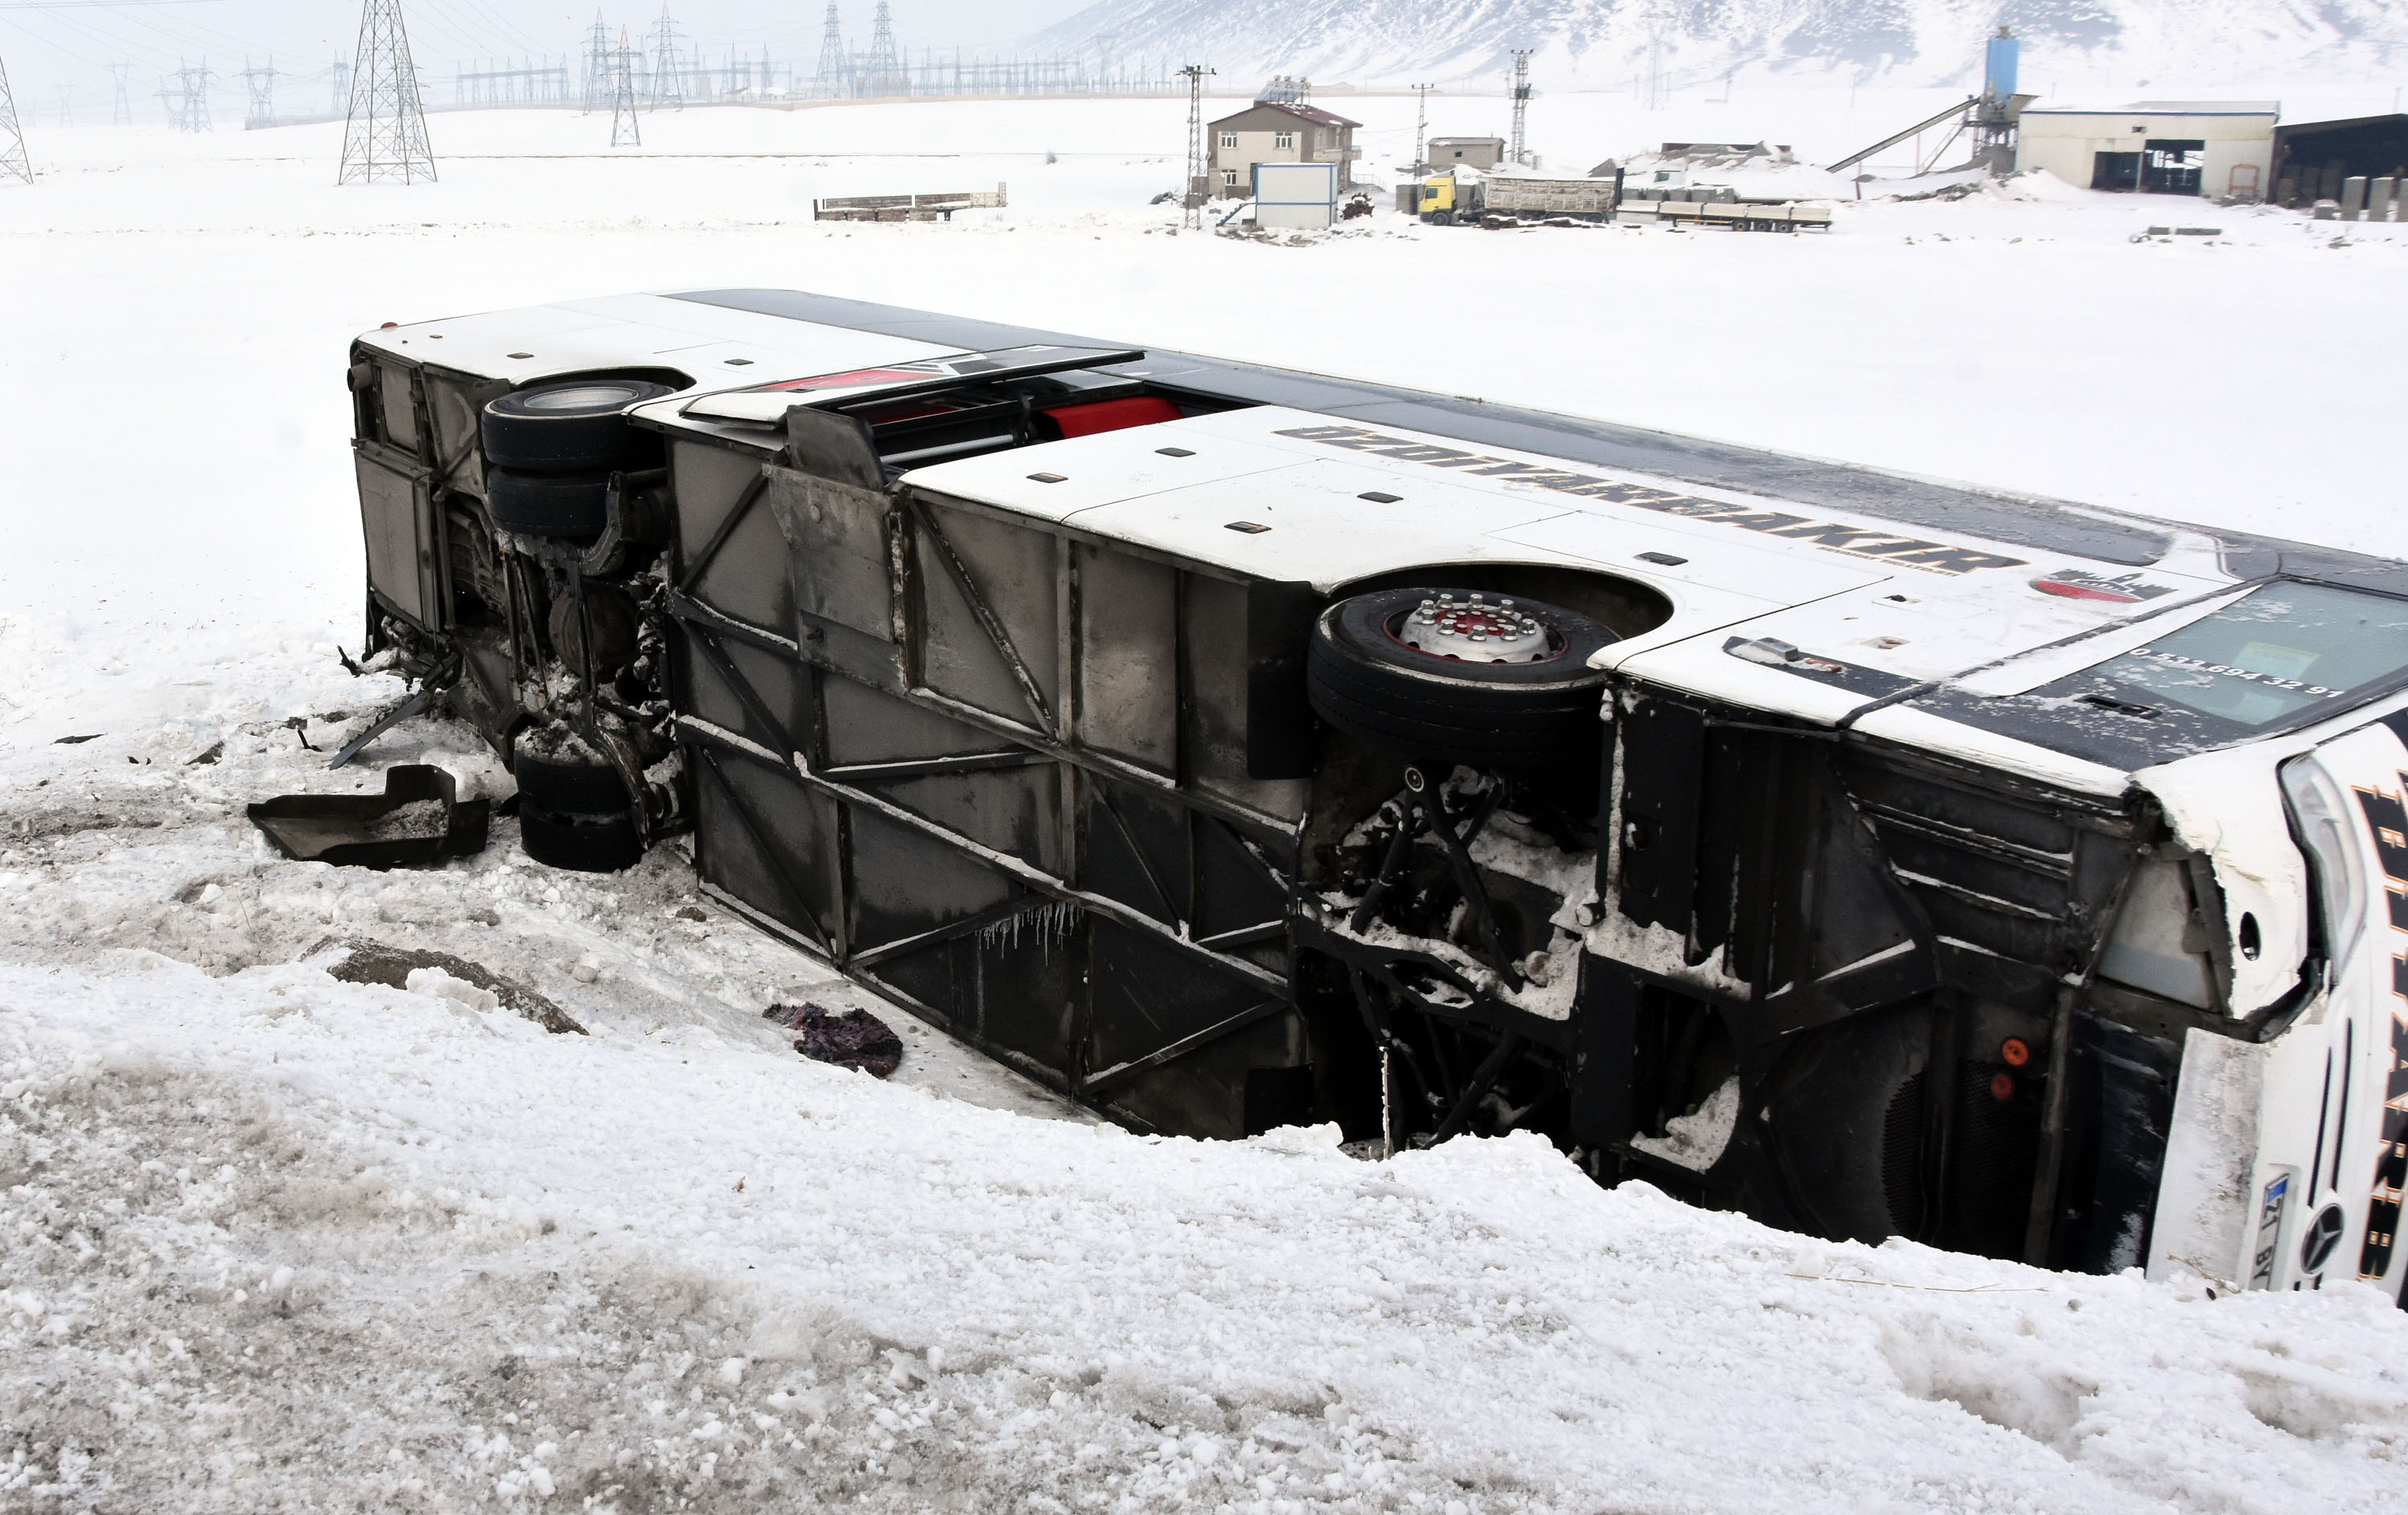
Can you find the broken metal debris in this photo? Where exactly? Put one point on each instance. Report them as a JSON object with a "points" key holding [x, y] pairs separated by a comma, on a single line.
{"points": [[419, 818]]}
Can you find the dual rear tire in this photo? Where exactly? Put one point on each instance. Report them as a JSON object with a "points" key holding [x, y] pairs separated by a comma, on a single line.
{"points": [[574, 811], [551, 449]]}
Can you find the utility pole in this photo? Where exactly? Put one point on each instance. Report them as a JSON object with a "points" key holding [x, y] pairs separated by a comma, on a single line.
{"points": [[1199, 173], [1521, 101], [831, 81], [1421, 128], [384, 133], [13, 162], [121, 108], [262, 83], [624, 132]]}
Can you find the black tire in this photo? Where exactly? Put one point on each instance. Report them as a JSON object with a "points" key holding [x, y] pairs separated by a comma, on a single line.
{"points": [[575, 505], [579, 843], [1526, 715], [565, 787], [581, 423]]}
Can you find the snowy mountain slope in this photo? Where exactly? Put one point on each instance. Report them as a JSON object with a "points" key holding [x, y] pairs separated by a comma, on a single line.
{"points": [[1609, 43]]}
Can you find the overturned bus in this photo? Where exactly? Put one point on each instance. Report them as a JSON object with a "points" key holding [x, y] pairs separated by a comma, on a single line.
{"points": [[1229, 748]]}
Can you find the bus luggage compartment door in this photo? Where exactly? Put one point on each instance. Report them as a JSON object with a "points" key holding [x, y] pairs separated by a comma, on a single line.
{"points": [[1000, 773]]}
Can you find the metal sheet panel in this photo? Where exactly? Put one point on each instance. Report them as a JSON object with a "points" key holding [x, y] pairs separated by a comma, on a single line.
{"points": [[746, 578], [990, 597], [398, 407], [761, 837], [905, 882], [838, 537], [1213, 617], [1128, 657], [393, 511]]}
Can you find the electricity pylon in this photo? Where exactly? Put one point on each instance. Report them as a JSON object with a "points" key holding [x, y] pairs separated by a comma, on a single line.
{"points": [[624, 132], [597, 63], [832, 81], [884, 68], [384, 136], [121, 108], [667, 88], [261, 85], [188, 98], [13, 162]]}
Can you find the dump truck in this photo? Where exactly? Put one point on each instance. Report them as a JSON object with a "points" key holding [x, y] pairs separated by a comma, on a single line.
{"points": [[1465, 196], [1228, 748]]}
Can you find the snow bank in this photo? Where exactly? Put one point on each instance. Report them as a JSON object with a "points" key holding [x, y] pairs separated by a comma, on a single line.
{"points": [[279, 1242]]}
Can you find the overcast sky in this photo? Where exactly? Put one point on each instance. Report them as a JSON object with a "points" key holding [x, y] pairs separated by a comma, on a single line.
{"points": [[46, 43]]}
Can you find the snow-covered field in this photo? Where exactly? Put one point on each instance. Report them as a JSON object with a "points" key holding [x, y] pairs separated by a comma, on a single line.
{"points": [[270, 1241]]}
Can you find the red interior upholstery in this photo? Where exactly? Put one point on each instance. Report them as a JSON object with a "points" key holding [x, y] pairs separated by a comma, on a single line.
{"points": [[1112, 415]]}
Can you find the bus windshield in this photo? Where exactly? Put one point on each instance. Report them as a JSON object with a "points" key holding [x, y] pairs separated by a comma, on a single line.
{"points": [[2272, 654]]}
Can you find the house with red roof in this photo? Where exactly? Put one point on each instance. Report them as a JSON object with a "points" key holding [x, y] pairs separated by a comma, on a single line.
{"points": [[1278, 131]]}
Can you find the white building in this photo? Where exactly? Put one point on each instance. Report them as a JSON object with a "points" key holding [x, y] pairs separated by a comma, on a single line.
{"points": [[2155, 146], [1276, 132], [1295, 196]]}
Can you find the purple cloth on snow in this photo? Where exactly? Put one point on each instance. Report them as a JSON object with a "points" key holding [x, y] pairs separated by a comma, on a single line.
{"points": [[853, 1039]]}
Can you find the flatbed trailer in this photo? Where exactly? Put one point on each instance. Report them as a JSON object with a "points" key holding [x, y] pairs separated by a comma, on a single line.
{"points": [[1229, 748]]}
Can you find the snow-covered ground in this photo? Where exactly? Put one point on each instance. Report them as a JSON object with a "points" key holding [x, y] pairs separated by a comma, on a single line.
{"points": [[270, 1241]]}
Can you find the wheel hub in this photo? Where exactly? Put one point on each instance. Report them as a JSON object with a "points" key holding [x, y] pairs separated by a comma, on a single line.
{"points": [[1473, 629], [581, 397]]}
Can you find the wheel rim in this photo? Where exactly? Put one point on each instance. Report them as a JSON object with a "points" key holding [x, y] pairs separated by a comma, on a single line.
{"points": [[580, 398], [1476, 629]]}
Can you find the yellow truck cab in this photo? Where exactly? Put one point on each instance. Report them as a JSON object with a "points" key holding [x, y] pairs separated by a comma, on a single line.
{"points": [[1442, 197]]}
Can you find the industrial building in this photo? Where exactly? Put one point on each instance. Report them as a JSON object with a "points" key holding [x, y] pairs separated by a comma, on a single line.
{"points": [[1471, 151], [2155, 146], [2315, 160], [1279, 132]]}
